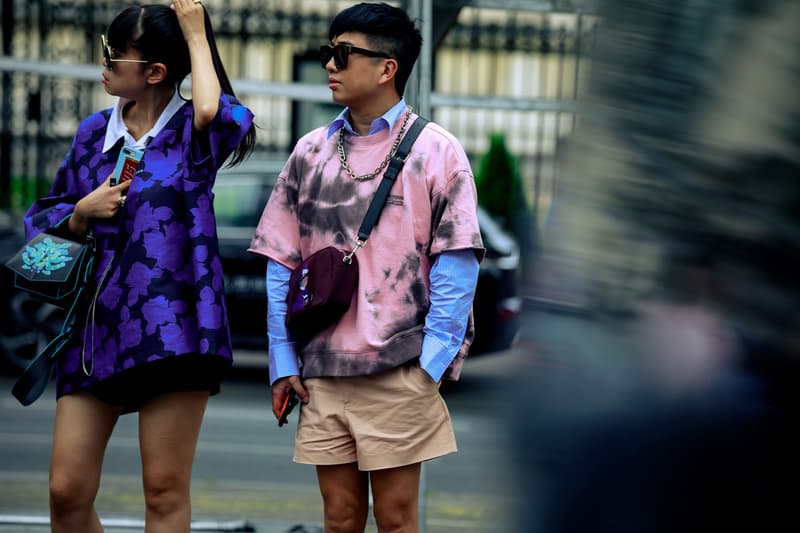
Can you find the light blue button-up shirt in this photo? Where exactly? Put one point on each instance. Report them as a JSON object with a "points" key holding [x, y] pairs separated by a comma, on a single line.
{"points": [[383, 122]]}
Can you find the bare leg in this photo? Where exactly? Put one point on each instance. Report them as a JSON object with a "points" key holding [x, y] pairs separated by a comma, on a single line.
{"points": [[168, 429], [83, 426], [395, 492], [345, 497]]}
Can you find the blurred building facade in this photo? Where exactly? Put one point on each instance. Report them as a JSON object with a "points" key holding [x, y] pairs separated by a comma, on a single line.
{"points": [[508, 67]]}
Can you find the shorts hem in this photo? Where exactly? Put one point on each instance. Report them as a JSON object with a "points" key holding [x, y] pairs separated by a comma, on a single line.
{"points": [[383, 462], [308, 459], [370, 464]]}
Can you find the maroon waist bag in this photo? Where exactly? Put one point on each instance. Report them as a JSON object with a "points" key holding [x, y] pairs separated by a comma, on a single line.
{"points": [[320, 291], [322, 286]]}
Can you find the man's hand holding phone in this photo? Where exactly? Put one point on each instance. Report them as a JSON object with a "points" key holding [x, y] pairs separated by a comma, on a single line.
{"points": [[286, 393]]}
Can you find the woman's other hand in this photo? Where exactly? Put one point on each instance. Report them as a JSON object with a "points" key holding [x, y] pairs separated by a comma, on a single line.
{"points": [[206, 89], [103, 202], [191, 19]]}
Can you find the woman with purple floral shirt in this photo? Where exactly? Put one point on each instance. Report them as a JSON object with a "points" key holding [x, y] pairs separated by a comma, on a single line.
{"points": [[156, 337]]}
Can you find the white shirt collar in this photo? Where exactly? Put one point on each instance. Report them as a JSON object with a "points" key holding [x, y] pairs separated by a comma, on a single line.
{"points": [[116, 126]]}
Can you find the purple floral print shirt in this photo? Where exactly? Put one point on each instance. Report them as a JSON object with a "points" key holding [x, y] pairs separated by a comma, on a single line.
{"points": [[163, 292]]}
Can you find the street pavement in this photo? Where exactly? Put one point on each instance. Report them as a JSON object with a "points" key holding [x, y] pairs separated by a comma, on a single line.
{"points": [[244, 476]]}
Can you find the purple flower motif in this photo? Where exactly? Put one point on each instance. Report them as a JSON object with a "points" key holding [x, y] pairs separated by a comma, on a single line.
{"points": [[170, 227], [166, 248], [200, 259], [173, 338], [138, 279], [217, 281], [149, 219], [130, 331], [111, 292], [94, 161], [209, 313], [156, 312], [203, 219]]}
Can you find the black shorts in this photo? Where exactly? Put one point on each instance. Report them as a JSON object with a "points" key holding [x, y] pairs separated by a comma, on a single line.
{"points": [[131, 388]]}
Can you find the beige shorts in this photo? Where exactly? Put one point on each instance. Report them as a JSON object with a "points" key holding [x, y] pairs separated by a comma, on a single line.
{"points": [[384, 420]]}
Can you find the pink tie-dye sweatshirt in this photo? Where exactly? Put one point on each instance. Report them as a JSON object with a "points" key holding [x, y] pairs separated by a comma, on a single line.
{"points": [[431, 209]]}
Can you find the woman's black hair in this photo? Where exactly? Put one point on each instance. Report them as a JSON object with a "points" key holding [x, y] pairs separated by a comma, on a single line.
{"points": [[154, 31]]}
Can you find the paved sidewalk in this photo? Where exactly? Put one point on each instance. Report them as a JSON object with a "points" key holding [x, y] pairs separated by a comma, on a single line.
{"points": [[40, 524]]}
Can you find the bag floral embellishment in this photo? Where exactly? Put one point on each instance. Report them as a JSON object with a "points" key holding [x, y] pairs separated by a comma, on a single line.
{"points": [[46, 257]]}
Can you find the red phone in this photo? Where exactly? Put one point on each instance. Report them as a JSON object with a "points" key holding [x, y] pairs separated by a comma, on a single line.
{"points": [[289, 401], [127, 163]]}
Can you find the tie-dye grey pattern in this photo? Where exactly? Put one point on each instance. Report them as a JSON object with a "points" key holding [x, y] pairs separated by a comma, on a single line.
{"points": [[315, 204]]}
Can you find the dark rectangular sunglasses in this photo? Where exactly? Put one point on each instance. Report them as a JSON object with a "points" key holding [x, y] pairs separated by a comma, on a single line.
{"points": [[341, 53], [111, 60]]}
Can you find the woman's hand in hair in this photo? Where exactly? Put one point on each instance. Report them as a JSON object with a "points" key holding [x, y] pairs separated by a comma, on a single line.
{"points": [[191, 18], [206, 89]]}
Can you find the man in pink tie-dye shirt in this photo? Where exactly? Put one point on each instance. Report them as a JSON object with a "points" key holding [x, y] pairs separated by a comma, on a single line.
{"points": [[371, 403]]}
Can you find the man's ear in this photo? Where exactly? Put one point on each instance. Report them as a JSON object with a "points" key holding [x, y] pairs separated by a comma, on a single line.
{"points": [[389, 71], [156, 73]]}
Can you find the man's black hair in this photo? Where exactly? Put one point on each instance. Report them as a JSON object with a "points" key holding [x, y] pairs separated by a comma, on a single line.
{"points": [[388, 29]]}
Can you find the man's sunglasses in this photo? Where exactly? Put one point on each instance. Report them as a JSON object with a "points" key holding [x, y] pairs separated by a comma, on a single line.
{"points": [[341, 53], [110, 60]]}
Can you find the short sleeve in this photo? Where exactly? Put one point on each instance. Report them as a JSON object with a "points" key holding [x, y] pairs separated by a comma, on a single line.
{"points": [[455, 216], [278, 232], [226, 131]]}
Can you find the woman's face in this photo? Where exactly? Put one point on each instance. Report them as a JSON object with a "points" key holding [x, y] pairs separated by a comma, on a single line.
{"points": [[124, 72]]}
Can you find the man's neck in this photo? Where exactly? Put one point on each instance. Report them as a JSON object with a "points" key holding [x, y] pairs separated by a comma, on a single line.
{"points": [[362, 116]]}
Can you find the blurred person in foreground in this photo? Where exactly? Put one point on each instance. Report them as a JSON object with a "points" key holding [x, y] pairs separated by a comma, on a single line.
{"points": [[674, 399], [156, 338], [372, 410]]}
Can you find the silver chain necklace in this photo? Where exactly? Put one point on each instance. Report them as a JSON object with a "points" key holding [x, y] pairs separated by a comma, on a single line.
{"points": [[365, 177]]}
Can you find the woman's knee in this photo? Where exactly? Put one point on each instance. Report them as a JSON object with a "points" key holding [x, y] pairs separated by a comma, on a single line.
{"points": [[165, 491], [70, 492]]}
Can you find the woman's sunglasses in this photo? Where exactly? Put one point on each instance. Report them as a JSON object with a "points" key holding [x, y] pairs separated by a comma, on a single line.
{"points": [[110, 60], [341, 53]]}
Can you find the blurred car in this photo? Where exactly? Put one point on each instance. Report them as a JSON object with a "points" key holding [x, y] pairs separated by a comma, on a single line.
{"points": [[241, 193]]}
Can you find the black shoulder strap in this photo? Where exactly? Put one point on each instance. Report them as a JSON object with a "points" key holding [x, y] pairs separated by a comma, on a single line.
{"points": [[395, 164]]}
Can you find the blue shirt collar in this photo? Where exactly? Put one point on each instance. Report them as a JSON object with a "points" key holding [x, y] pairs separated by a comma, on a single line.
{"points": [[385, 121]]}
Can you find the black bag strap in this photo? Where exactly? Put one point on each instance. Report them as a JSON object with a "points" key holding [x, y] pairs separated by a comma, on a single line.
{"points": [[34, 379], [395, 164]]}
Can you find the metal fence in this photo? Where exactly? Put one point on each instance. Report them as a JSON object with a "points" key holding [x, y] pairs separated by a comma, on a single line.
{"points": [[515, 71]]}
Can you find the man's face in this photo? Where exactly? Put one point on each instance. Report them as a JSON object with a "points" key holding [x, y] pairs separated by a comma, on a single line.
{"points": [[359, 79]]}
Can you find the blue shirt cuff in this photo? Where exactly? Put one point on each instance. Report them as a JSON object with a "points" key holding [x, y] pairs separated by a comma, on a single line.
{"points": [[435, 357], [282, 355], [453, 278], [282, 362]]}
